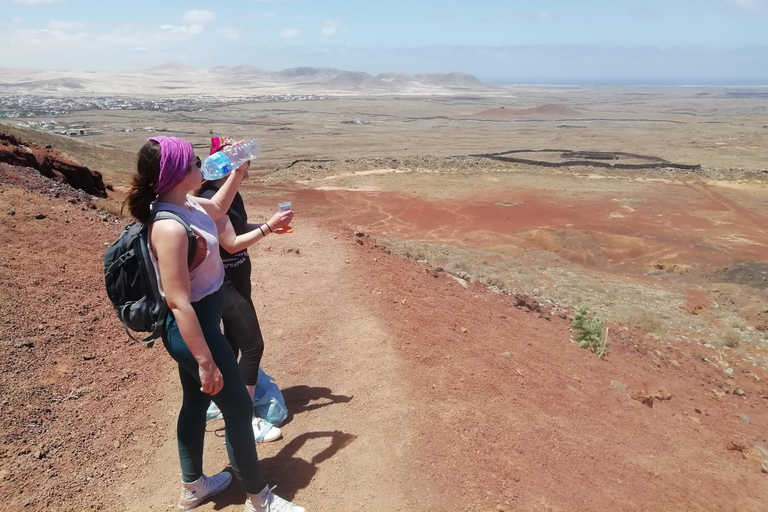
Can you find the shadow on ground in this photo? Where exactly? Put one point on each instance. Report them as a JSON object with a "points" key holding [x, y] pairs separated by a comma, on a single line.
{"points": [[285, 470], [299, 399]]}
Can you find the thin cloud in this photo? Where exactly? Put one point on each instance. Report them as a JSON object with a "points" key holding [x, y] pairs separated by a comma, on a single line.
{"points": [[183, 29], [198, 17], [744, 6], [644, 13], [537, 16], [65, 25], [228, 32], [290, 33], [333, 27]]}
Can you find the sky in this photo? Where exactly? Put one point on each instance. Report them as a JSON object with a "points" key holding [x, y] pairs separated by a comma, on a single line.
{"points": [[544, 42]]}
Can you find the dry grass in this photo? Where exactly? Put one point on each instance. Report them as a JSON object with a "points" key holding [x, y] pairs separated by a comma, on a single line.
{"points": [[731, 338], [641, 319], [507, 275], [111, 206], [654, 310]]}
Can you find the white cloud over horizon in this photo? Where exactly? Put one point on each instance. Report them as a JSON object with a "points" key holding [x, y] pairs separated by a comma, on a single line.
{"points": [[198, 17], [228, 32], [290, 33], [489, 39], [538, 64], [183, 29], [744, 6], [332, 27], [65, 25]]}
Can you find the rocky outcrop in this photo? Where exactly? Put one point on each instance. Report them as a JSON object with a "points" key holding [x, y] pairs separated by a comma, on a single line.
{"points": [[50, 163]]}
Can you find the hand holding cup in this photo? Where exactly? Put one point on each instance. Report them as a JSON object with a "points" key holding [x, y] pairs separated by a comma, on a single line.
{"points": [[280, 219]]}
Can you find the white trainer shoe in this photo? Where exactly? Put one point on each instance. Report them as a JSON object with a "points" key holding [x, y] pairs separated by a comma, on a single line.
{"points": [[266, 501], [201, 489], [264, 431]]}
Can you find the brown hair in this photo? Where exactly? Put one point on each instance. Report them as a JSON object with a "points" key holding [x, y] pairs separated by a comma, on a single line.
{"points": [[142, 191]]}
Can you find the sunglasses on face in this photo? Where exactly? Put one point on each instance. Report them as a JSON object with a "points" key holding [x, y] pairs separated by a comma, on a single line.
{"points": [[198, 162]]}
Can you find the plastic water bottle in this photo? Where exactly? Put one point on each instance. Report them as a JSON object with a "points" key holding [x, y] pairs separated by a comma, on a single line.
{"points": [[229, 158]]}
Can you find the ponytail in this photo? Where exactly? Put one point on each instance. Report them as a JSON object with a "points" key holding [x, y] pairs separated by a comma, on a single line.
{"points": [[142, 191]]}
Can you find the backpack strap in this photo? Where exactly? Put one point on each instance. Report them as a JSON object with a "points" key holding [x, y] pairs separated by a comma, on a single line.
{"points": [[165, 215], [157, 330]]}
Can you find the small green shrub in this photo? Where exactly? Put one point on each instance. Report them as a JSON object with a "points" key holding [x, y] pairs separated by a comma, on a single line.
{"points": [[589, 332]]}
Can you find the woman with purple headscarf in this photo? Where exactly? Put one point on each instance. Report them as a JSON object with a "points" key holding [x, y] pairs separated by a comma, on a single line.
{"points": [[167, 173]]}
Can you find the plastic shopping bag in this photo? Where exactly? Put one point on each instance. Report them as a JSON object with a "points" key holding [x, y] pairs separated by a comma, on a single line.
{"points": [[268, 401]]}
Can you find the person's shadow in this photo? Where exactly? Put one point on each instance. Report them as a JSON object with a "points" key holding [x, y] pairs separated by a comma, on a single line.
{"points": [[292, 473], [298, 399], [288, 472]]}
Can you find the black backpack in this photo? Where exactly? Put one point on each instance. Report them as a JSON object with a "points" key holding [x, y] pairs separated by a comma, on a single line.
{"points": [[132, 282]]}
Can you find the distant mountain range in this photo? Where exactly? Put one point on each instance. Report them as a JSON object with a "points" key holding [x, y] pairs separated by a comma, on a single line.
{"points": [[177, 80]]}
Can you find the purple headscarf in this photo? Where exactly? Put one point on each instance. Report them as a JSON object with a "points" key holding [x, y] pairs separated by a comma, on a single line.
{"points": [[175, 156]]}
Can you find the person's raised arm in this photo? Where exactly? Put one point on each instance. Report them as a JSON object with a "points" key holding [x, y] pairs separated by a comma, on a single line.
{"points": [[170, 245], [218, 205], [234, 243]]}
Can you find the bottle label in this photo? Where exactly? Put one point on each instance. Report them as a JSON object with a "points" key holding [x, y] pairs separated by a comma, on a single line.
{"points": [[222, 162]]}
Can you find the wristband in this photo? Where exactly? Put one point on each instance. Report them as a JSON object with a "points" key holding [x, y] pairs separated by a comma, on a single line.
{"points": [[262, 232], [268, 227]]}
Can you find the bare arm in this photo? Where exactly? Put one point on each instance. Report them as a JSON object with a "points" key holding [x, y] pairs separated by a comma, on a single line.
{"points": [[218, 205], [170, 245], [233, 243]]}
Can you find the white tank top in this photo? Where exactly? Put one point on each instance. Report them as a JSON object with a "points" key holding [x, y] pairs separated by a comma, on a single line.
{"points": [[208, 276]]}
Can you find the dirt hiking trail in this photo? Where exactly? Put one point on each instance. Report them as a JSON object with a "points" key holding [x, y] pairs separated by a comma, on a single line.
{"points": [[346, 439], [409, 389]]}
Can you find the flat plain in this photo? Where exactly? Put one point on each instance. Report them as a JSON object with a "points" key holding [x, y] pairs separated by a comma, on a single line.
{"points": [[446, 380], [646, 194]]}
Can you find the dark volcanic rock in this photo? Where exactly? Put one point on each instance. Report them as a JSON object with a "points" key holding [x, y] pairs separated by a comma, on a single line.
{"points": [[51, 164]]}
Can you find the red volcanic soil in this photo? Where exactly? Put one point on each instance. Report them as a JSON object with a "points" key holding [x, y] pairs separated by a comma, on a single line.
{"points": [[441, 397], [548, 110], [683, 223]]}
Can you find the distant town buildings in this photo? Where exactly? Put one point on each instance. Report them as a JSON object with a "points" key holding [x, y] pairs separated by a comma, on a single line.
{"points": [[22, 106]]}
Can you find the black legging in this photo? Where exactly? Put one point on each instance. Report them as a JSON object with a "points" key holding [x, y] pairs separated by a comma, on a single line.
{"points": [[241, 326]]}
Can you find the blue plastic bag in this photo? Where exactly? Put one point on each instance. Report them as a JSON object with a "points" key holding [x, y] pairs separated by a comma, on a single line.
{"points": [[268, 401]]}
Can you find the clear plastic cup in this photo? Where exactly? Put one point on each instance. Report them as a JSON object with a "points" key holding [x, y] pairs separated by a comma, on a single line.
{"points": [[284, 207]]}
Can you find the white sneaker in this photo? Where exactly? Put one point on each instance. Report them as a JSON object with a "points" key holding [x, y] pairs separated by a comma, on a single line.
{"points": [[264, 431], [266, 501], [201, 489]]}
